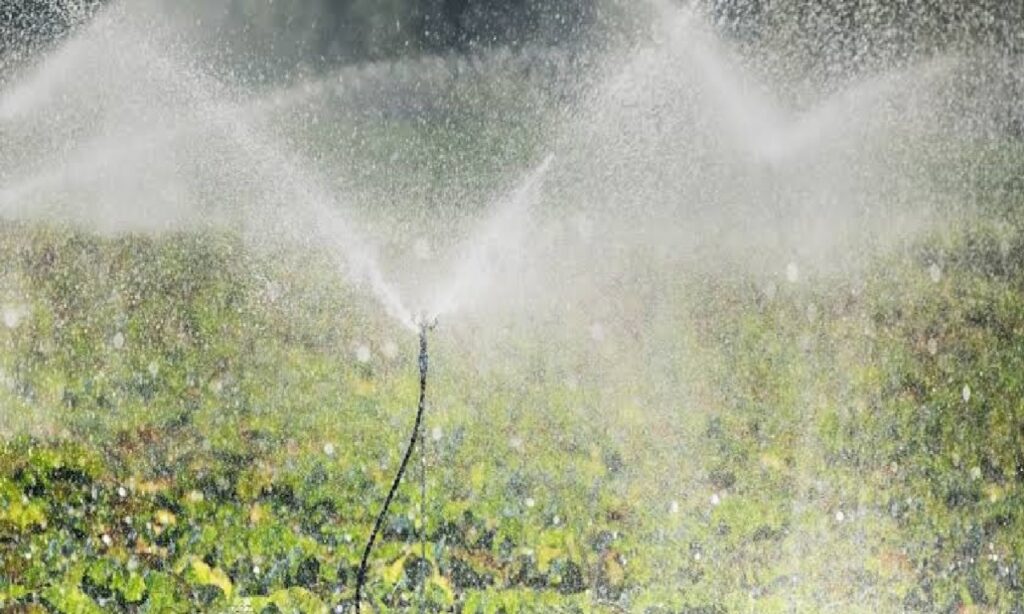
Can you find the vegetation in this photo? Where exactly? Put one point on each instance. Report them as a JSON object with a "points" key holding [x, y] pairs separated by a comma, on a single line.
{"points": [[189, 427], [188, 423]]}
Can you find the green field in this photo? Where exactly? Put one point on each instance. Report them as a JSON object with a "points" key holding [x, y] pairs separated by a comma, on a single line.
{"points": [[190, 425], [750, 339]]}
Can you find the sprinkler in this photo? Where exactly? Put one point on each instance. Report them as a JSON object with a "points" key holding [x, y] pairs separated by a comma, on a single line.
{"points": [[425, 325]]}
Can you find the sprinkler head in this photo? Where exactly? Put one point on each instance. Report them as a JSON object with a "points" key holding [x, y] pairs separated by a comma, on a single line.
{"points": [[425, 322]]}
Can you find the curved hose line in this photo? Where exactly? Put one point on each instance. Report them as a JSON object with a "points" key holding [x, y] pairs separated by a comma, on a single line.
{"points": [[423, 364]]}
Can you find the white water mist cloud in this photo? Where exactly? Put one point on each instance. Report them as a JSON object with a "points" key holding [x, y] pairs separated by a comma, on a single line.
{"points": [[491, 254], [677, 147], [165, 147]]}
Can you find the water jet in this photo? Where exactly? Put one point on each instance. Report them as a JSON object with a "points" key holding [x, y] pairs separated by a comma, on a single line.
{"points": [[688, 299]]}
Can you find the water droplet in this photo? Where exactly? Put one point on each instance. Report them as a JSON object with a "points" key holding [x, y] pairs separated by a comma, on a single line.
{"points": [[422, 249], [584, 227], [792, 273], [966, 393], [272, 291], [812, 313], [13, 315]]}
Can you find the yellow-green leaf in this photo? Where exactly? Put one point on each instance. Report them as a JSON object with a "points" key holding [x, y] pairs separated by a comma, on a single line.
{"points": [[201, 573]]}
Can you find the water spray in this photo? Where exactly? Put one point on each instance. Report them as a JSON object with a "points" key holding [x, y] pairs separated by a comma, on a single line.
{"points": [[425, 325]]}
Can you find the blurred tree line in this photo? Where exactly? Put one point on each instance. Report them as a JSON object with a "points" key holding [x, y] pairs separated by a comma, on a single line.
{"points": [[320, 33], [817, 33], [329, 31], [369, 28]]}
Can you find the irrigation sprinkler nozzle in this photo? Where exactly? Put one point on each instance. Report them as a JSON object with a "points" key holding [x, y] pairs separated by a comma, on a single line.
{"points": [[425, 323]]}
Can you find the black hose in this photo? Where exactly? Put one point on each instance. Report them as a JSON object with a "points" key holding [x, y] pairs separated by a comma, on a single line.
{"points": [[423, 363]]}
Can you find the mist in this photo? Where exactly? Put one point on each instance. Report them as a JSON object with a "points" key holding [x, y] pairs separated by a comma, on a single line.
{"points": [[709, 289]]}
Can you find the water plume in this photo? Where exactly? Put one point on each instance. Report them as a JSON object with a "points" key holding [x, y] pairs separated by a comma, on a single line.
{"points": [[490, 254], [208, 161], [628, 255]]}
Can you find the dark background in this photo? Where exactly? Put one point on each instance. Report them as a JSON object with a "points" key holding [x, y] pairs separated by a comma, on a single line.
{"points": [[821, 35]]}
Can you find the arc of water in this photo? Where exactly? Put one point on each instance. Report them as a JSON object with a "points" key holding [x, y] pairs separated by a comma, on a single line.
{"points": [[756, 123], [501, 232], [279, 171]]}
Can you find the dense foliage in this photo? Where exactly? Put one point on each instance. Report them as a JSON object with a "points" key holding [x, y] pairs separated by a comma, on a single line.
{"points": [[189, 423], [196, 435]]}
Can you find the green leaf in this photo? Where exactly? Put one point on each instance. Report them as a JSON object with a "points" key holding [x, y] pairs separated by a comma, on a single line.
{"points": [[68, 598], [131, 586], [163, 595], [295, 600], [199, 572]]}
